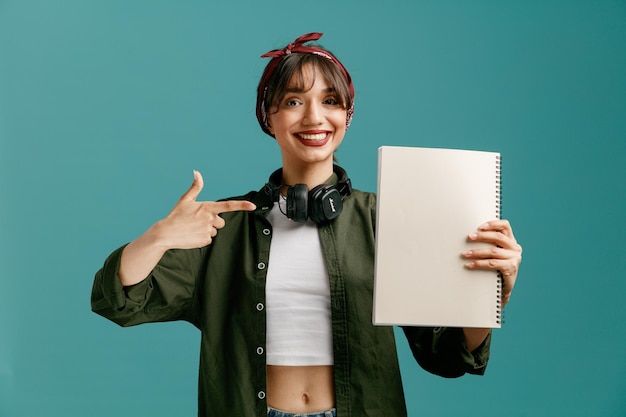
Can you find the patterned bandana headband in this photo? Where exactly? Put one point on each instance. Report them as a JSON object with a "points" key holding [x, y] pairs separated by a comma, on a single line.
{"points": [[277, 56]]}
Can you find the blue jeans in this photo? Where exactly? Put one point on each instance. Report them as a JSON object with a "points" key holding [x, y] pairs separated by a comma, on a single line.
{"points": [[277, 413]]}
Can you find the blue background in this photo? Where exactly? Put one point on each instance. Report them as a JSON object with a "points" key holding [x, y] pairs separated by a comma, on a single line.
{"points": [[106, 107]]}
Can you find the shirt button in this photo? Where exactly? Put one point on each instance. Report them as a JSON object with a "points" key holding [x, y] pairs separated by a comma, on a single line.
{"points": [[260, 306], [259, 350], [266, 232], [261, 265], [261, 395]]}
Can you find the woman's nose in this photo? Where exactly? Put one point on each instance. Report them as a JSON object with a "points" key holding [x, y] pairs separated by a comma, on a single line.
{"points": [[312, 115]]}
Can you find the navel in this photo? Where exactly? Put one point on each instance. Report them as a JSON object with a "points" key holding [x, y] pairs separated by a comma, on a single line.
{"points": [[306, 398]]}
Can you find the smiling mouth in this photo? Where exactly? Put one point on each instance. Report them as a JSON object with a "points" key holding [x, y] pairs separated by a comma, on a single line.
{"points": [[312, 136]]}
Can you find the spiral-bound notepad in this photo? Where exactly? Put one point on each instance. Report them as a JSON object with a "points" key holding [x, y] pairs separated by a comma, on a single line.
{"points": [[429, 201]]}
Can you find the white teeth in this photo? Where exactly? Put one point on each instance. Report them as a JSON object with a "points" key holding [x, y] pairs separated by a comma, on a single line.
{"points": [[317, 136]]}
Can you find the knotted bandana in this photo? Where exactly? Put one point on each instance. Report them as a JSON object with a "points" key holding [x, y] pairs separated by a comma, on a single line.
{"points": [[277, 56]]}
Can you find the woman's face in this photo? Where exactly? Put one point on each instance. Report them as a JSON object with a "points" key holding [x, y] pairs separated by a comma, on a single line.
{"points": [[310, 123]]}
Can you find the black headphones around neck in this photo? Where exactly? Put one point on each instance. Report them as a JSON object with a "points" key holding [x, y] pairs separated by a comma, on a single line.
{"points": [[322, 204]]}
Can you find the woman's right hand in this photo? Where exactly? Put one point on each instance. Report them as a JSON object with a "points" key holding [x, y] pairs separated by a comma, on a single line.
{"points": [[191, 224]]}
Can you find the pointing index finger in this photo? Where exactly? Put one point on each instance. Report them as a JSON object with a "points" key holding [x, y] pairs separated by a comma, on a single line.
{"points": [[234, 205]]}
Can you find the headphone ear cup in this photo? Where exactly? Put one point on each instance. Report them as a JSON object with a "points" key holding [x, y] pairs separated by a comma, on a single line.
{"points": [[297, 203], [325, 203]]}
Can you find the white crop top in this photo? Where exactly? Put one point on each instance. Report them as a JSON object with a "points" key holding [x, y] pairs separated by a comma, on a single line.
{"points": [[299, 331]]}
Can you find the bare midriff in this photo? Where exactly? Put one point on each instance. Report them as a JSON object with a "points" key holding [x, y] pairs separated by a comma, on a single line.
{"points": [[300, 389]]}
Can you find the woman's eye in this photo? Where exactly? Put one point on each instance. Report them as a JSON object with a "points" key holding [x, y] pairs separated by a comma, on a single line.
{"points": [[330, 101], [291, 103]]}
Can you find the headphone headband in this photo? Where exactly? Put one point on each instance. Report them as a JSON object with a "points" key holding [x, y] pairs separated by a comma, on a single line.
{"points": [[275, 183]]}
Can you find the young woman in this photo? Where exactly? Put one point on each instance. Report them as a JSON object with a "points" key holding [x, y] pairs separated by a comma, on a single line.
{"points": [[283, 293]]}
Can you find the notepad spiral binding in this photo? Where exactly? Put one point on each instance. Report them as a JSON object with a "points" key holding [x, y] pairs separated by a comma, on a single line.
{"points": [[498, 186], [499, 312]]}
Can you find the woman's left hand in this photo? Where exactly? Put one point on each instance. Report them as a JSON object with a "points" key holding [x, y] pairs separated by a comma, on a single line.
{"points": [[505, 255]]}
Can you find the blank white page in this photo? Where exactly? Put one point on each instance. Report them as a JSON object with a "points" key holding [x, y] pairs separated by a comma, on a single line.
{"points": [[428, 201]]}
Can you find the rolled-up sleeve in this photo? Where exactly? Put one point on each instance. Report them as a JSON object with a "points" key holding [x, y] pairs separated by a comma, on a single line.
{"points": [[443, 351], [166, 294]]}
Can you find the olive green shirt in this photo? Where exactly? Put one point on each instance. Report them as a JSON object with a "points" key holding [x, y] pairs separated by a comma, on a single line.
{"points": [[220, 289]]}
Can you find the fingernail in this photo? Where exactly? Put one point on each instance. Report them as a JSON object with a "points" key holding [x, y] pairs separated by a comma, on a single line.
{"points": [[485, 226], [467, 253], [473, 236], [470, 264]]}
